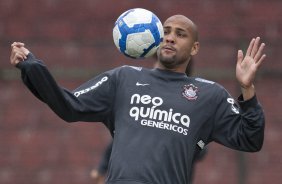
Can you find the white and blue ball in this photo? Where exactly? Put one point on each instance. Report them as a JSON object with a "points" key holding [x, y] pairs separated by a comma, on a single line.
{"points": [[138, 33]]}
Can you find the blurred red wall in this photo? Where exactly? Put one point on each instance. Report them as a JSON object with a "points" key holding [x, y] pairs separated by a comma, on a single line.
{"points": [[74, 38]]}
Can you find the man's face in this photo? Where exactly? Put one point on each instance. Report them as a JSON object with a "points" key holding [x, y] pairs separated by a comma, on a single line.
{"points": [[178, 43]]}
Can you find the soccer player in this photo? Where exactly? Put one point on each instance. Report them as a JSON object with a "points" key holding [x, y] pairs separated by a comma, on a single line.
{"points": [[162, 118], [99, 174]]}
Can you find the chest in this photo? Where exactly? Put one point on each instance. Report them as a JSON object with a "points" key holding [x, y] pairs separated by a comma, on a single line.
{"points": [[174, 107]]}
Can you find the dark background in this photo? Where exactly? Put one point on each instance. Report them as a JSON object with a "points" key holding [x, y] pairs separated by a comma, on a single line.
{"points": [[74, 38]]}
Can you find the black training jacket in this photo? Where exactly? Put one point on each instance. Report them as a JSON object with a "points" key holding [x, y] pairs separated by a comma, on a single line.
{"points": [[159, 120]]}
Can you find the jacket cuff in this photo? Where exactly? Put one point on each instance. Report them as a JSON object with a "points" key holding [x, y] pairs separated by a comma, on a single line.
{"points": [[30, 57], [253, 102]]}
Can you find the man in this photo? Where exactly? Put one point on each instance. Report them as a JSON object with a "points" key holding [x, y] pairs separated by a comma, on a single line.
{"points": [[162, 118], [99, 174]]}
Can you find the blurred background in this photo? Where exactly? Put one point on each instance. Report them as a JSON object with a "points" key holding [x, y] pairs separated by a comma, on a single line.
{"points": [[74, 38]]}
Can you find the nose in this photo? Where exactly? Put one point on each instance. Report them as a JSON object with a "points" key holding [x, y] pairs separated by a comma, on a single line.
{"points": [[169, 38]]}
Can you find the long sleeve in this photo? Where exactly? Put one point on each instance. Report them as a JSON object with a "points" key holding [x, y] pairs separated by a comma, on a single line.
{"points": [[92, 101], [239, 127]]}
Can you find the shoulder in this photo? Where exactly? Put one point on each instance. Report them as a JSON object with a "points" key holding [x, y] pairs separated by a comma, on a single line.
{"points": [[203, 81], [128, 70], [208, 83], [124, 73], [214, 89]]}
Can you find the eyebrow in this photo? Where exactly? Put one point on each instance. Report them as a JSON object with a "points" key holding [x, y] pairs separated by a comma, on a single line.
{"points": [[177, 29]]}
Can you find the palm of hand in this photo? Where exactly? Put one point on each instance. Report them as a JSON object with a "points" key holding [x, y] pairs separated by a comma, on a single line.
{"points": [[245, 71], [247, 66]]}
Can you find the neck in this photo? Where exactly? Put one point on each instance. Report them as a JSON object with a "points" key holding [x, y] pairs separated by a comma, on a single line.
{"points": [[179, 68]]}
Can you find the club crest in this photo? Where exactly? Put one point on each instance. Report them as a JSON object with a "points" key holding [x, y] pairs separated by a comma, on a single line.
{"points": [[190, 92]]}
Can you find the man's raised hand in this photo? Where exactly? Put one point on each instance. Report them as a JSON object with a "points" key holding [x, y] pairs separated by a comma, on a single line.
{"points": [[19, 53]]}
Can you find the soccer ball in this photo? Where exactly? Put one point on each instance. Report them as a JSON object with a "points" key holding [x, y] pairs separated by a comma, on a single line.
{"points": [[138, 33]]}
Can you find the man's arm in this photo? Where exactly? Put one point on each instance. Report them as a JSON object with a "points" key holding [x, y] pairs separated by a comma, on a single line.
{"points": [[238, 126], [93, 105], [242, 128]]}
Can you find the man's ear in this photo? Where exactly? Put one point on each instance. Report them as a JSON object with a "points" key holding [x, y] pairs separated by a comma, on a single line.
{"points": [[195, 48]]}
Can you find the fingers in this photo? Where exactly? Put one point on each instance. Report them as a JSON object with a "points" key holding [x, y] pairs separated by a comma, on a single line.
{"points": [[249, 50], [259, 53], [17, 44], [240, 56], [255, 47], [21, 46], [19, 53], [16, 58], [260, 60], [255, 50]]}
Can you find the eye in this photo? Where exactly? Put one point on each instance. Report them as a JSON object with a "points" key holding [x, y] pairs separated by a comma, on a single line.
{"points": [[181, 35], [165, 32]]}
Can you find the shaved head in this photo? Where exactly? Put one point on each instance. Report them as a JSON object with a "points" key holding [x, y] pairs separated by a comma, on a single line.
{"points": [[189, 24]]}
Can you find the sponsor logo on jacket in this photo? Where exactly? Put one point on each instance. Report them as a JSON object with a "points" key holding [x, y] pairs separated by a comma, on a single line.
{"points": [[147, 111]]}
